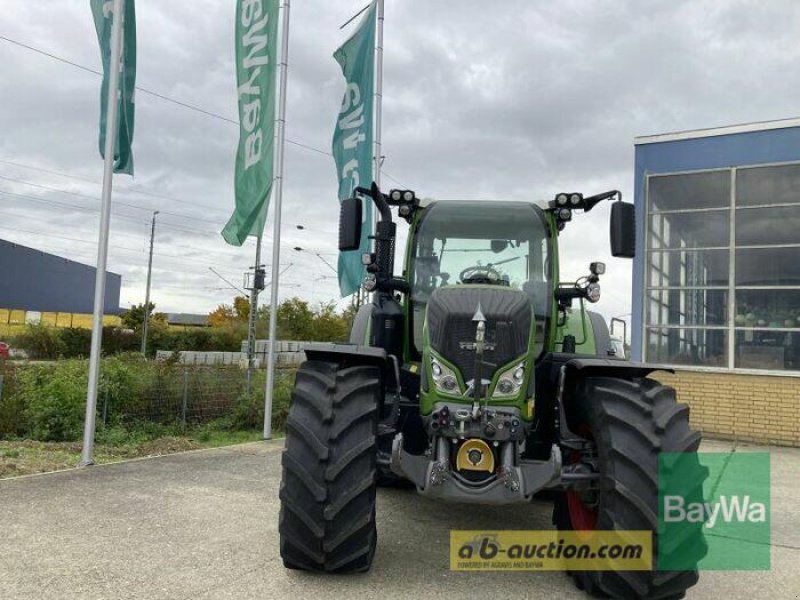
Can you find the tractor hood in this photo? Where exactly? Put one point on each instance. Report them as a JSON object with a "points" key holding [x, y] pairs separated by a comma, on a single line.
{"points": [[451, 327]]}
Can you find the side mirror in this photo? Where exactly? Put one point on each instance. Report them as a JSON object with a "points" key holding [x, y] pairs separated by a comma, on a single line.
{"points": [[623, 230], [350, 224]]}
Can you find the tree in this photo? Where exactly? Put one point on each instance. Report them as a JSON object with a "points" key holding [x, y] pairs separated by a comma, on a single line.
{"points": [[134, 316], [241, 305], [295, 320], [221, 316]]}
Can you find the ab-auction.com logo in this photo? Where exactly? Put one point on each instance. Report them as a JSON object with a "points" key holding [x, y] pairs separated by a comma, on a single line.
{"points": [[550, 550]]}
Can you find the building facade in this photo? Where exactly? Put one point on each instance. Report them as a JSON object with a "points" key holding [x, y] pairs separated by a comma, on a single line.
{"points": [[716, 280], [32, 280]]}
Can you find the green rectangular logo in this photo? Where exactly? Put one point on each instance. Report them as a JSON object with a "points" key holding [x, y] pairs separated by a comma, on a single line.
{"points": [[714, 511]]}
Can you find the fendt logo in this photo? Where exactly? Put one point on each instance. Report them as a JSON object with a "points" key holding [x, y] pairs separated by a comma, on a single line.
{"points": [[730, 508]]}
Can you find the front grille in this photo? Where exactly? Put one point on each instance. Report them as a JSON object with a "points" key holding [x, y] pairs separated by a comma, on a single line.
{"points": [[508, 323]]}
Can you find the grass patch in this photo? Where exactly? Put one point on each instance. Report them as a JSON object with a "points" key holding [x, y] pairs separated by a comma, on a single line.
{"points": [[27, 457]]}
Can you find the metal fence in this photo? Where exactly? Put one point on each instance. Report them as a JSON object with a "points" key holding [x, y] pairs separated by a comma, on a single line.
{"points": [[137, 393], [184, 394]]}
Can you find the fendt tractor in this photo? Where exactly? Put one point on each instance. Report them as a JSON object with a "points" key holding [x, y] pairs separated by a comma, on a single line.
{"points": [[476, 377]]}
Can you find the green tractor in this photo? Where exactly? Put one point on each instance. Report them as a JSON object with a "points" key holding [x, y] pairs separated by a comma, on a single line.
{"points": [[475, 377]]}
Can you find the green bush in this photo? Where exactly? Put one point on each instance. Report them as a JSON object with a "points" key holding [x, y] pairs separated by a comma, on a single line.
{"points": [[40, 342], [77, 342], [249, 410], [47, 401], [54, 400], [12, 419]]}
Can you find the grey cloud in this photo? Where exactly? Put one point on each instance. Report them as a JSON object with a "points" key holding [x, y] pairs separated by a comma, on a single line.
{"points": [[517, 100]]}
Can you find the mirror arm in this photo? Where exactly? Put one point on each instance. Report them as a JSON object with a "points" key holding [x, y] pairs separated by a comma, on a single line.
{"points": [[592, 201]]}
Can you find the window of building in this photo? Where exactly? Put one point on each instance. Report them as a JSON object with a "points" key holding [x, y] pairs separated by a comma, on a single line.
{"points": [[722, 267]]}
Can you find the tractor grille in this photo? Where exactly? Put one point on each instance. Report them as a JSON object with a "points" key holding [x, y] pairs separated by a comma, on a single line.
{"points": [[508, 323]]}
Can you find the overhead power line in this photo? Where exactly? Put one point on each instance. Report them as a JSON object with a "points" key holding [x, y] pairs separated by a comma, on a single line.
{"points": [[175, 101]]}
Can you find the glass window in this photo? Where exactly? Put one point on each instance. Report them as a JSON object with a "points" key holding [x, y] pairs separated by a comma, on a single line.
{"points": [[768, 266], [767, 308], [685, 268], [690, 230], [765, 349], [689, 307], [695, 347], [768, 185], [767, 226], [688, 269], [459, 241], [692, 190]]}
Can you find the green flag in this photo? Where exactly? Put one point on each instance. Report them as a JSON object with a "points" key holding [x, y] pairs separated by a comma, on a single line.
{"points": [[352, 137], [102, 11], [256, 53]]}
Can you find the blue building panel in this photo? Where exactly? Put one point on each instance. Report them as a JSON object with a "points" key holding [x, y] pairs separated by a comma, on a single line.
{"points": [[737, 146], [37, 281]]}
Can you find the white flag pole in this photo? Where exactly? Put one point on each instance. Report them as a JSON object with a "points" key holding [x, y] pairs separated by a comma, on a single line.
{"points": [[276, 236], [112, 102], [378, 95]]}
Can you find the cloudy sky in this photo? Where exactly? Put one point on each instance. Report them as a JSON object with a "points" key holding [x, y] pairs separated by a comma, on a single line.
{"points": [[482, 100]]}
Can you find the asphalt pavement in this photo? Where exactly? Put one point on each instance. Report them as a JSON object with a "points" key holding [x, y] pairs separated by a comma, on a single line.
{"points": [[203, 525]]}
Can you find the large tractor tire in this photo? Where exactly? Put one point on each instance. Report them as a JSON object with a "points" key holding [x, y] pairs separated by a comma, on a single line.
{"points": [[630, 422], [327, 492]]}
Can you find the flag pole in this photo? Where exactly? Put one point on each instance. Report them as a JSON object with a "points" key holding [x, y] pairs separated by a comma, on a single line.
{"points": [[378, 116], [102, 244], [378, 97], [276, 236]]}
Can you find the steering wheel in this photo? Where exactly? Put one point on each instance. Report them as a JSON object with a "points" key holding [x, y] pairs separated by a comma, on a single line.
{"points": [[480, 274]]}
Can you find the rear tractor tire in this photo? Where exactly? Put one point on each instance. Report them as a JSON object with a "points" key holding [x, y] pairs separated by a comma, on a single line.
{"points": [[327, 492], [631, 423]]}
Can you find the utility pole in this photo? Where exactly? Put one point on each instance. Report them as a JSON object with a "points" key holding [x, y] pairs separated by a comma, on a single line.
{"points": [[256, 285], [147, 293]]}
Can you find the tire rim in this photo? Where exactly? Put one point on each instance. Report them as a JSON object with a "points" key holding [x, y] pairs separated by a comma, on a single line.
{"points": [[581, 516]]}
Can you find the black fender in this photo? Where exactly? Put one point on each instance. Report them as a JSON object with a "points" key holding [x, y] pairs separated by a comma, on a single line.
{"points": [[559, 373], [349, 355], [575, 370], [611, 367]]}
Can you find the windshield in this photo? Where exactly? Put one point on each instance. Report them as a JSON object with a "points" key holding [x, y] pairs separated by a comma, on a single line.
{"points": [[460, 243]]}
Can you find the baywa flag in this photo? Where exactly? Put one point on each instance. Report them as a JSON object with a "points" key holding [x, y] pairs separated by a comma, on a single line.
{"points": [[103, 13], [352, 138], [256, 54]]}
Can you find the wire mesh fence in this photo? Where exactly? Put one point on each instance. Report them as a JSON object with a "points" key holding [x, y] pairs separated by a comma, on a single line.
{"points": [[187, 394], [46, 401]]}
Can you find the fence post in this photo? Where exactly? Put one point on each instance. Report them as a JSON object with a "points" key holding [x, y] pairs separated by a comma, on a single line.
{"points": [[185, 397]]}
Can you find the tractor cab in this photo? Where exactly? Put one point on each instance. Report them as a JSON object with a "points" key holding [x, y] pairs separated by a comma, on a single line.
{"points": [[502, 251]]}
